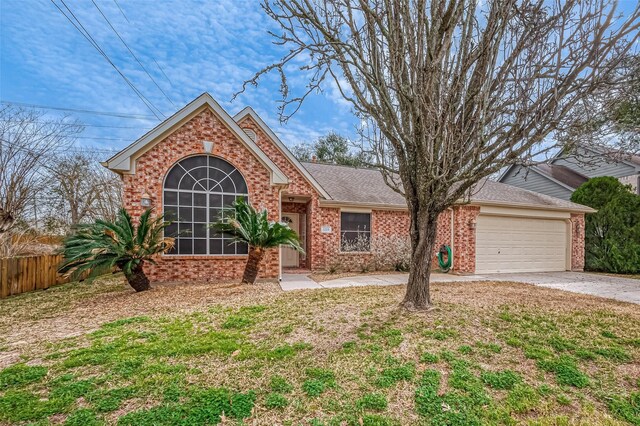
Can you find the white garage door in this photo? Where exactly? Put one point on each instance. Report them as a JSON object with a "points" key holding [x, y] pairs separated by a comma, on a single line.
{"points": [[514, 244]]}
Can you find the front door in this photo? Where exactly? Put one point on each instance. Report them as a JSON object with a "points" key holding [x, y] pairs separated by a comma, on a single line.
{"points": [[289, 255]]}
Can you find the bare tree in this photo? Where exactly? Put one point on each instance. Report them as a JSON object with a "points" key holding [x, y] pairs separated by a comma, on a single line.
{"points": [[81, 190], [455, 89], [27, 142]]}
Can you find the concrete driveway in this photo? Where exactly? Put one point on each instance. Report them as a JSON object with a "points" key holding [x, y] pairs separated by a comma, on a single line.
{"points": [[618, 288]]}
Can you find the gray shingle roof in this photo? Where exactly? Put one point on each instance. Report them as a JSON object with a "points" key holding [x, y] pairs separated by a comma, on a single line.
{"points": [[366, 186], [356, 185]]}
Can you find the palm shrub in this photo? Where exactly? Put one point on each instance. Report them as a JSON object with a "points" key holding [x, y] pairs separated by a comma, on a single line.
{"points": [[102, 246], [254, 228]]}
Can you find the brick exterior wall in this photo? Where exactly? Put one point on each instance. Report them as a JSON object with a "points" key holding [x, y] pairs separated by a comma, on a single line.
{"points": [[386, 223], [577, 242], [151, 169], [322, 249]]}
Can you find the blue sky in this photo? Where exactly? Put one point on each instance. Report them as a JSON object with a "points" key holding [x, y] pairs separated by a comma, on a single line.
{"points": [[200, 45]]}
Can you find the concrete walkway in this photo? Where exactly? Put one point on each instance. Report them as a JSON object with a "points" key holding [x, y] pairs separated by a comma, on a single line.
{"points": [[292, 282], [618, 288]]}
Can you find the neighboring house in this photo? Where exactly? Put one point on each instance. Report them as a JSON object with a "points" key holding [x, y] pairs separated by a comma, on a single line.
{"points": [[565, 173], [198, 161]]}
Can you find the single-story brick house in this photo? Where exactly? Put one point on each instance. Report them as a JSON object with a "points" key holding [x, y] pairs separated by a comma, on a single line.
{"points": [[200, 159]]}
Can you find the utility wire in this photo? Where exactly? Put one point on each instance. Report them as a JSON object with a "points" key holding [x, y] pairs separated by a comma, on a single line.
{"points": [[162, 71], [92, 41], [121, 11], [83, 111], [82, 124], [154, 60], [131, 52]]}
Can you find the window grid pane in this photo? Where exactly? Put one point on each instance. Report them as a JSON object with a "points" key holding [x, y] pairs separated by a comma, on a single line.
{"points": [[355, 232], [199, 191]]}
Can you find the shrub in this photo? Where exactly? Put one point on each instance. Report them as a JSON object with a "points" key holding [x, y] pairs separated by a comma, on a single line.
{"points": [[391, 253], [612, 234]]}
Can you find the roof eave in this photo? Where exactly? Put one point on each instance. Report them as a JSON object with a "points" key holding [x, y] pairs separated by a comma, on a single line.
{"points": [[577, 209], [282, 147], [124, 161], [373, 206]]}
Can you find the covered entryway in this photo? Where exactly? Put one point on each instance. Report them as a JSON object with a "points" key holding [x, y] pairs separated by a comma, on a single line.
{"points": [[520, 244], [290, 257]]}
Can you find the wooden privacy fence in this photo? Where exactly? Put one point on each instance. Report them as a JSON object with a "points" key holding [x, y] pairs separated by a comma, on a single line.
{"points": [[29, 273]]}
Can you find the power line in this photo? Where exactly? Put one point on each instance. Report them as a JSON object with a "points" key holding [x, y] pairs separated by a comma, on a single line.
{"points": [[121, 11], [92, 41], [83, 111], [95, 44], [99, 138], [162, 71], [152, 58], [82, 124], [131, 52]]}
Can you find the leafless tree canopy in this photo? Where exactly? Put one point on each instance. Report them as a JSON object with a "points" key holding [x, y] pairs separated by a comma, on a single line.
{"points": [[454, 89], [27, 142], [81, 190]]}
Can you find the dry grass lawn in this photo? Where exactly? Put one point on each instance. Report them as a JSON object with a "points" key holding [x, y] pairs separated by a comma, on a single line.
{"points": [[491, 353]]}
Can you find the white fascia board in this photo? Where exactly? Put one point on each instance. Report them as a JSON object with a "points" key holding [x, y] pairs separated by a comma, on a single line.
{"points": [[282, 147], [124, 161]]}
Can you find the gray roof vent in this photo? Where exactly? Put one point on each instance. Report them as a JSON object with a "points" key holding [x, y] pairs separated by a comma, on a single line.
{"points": [[252, 135]]}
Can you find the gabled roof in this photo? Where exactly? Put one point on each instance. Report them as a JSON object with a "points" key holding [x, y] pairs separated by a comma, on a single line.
{"points": [[613, 155], [124, 161], [248, 111], [366, 187]]}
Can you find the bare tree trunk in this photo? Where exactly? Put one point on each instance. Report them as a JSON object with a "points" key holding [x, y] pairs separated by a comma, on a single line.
{"points": [[256, 254], [138, 279], [424, 227]]}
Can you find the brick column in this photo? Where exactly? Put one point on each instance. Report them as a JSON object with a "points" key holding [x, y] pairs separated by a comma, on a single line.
{"points": [[577, 241]]}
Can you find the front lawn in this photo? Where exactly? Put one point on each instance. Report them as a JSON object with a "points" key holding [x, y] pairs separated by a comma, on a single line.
{"points": [[491, 353]]}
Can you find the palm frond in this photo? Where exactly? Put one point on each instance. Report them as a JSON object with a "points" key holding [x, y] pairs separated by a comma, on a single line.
{"points": [[255, 228], [104, 245]]}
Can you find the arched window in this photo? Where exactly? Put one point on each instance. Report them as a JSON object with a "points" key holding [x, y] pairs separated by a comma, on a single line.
{"points": [[199, 191]]}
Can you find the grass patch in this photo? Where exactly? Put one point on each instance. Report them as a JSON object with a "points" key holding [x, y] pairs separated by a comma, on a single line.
{"points": [[505, 380], [626, 408], [276, 400], [566, 371], [20, 375], [373, 401], [280, 384], [205, 406], [332, 357], [391, 375]]}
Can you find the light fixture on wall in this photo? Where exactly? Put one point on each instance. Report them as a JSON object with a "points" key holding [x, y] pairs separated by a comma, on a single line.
{"points": [[145, 201], [208, 146], [291, 199]]}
